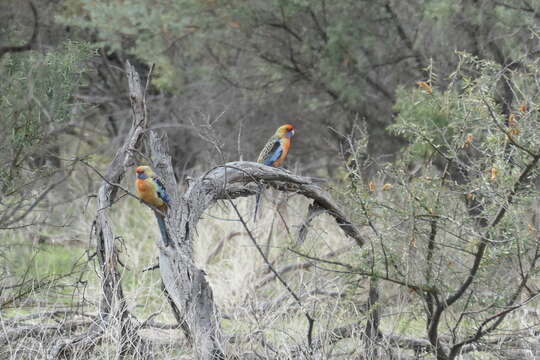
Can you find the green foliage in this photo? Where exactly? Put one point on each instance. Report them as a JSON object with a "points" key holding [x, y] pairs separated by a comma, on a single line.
{"points": [[423, 114], [176, 33], [468, 197], [334, 64], [151, 33], [432, 119], [36, 100]]}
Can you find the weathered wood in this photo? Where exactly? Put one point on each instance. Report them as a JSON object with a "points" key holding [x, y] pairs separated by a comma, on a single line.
{"points": [[113, 310], [236, 179], [185, 284]]}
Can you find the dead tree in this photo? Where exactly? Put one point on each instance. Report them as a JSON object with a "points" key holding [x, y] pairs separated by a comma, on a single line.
{"points": [[186, 286], [113, 312]]}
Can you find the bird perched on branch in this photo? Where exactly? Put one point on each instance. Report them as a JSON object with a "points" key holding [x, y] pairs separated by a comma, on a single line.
{"points": [[274, 152], [152, 191], [277, 147]]}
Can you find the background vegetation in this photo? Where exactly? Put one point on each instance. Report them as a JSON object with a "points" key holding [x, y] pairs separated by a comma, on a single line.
{"points": [[422, 115]]}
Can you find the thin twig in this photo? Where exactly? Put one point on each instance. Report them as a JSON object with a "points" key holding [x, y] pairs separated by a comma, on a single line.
{"points": [[311, 321]]}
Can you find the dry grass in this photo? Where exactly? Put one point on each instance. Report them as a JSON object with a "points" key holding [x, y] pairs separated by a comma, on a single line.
{"points": [[257, 309], [253, 306]]}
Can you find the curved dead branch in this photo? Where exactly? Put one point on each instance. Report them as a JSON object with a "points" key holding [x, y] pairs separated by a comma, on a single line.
{"points": [[236, 179]]}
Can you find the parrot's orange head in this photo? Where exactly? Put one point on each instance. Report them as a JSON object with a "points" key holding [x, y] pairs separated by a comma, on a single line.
{"points": [[286, 130], [143, 172]]}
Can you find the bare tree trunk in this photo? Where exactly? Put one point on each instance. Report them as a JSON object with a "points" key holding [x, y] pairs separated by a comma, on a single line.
{"points": [[372, 332], [188, 291], [113, 311], [374, 312]]}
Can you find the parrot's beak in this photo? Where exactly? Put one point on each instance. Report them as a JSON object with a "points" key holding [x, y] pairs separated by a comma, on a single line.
{"points": [[292, 131]]}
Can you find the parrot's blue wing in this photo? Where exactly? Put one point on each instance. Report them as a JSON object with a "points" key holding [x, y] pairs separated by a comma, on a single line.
{"points": [[162, 193], [275, 153]]}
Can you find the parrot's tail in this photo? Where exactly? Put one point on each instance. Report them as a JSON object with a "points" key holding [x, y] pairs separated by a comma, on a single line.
{"points": [[163, 230], [257, 202]]}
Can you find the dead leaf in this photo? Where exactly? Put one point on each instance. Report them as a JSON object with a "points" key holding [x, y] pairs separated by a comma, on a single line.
{"points": [[468, 140], [425, 86], [494, 173]]}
